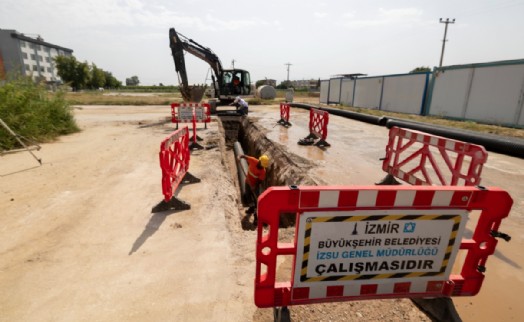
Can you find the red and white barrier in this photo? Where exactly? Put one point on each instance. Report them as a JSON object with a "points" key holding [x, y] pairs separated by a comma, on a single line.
{"points": [[318, 122], [191, 113], [371, 242], [419, 158], [284, 114], [174, 159]]}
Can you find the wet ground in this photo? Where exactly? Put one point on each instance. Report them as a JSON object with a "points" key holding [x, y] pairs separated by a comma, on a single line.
{"points": [[353, 159]]}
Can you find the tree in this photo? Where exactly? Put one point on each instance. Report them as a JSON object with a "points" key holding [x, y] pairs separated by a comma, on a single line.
{"points": [[133, 81], [421, 69], [98, 77], [72, 71], [111, 81], [81, 75]]}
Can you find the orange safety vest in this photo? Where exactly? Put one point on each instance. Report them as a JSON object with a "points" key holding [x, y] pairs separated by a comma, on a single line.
{"points": [[253, 172]]}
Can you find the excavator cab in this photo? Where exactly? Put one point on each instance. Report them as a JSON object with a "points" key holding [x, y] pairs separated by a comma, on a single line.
{"points": [[235, 82]]}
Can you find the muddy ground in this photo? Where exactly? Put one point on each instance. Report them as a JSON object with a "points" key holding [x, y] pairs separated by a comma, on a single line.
{"points": [[79, 241]]}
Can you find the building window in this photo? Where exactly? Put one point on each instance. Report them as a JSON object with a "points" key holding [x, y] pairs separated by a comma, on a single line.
{"points": [[38, 47], [35, 68], [32, 46], [27, 68], [24, 55], [42, 69], [47, 59], [40, 58], [49, 70], [22, 43], [33, 56]]}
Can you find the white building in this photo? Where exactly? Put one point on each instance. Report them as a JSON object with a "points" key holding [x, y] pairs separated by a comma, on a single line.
{"points": [[29, 56]]}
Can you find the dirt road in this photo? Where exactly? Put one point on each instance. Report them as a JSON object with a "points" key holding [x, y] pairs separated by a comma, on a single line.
{"points": [[79, 241]]}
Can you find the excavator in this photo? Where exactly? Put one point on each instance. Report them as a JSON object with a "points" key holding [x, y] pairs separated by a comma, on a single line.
{"points": [[227, 83]]}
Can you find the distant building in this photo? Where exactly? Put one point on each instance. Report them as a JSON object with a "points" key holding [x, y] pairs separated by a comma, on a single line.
{"points": [[270, 82], [29, 56], [310, 84]]}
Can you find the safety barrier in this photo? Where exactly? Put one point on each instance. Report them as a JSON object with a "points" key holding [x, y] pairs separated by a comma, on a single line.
{"points": [[191, 113], [284, 114], [373, 242], [419, 158], [318, 122], [174, 162]]}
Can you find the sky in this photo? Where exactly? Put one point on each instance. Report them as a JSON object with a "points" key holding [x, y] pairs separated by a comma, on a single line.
{"points": [[319, 39]]}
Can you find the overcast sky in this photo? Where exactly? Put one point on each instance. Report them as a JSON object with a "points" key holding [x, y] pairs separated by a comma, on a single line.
{"points": [[318, 38]]}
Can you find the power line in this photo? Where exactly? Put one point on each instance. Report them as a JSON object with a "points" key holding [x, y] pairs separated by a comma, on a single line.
{"points": [[447, 22]]}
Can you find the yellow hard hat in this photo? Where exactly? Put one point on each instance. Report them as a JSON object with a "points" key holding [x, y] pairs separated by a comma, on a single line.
{"points": [[264, 160]]}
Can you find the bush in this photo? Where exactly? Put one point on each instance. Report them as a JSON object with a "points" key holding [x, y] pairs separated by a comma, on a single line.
{"points": [[31, 113]]}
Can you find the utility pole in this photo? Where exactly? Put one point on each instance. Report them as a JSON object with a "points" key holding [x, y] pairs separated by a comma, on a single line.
{"points": [[233, 63], [447, 22], [288, 64]]}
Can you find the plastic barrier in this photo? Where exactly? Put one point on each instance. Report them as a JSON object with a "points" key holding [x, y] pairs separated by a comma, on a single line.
{"points": [[373, 242], [284, 114], [318, 122], [191, 113], [424, 159], [174, 162]]}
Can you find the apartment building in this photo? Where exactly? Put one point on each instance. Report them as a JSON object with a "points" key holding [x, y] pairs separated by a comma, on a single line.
{"points": [[29, 56]]}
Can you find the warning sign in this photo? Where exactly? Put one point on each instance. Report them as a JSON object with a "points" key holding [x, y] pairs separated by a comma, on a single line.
{"points": [[364, 245], [185, 113]]}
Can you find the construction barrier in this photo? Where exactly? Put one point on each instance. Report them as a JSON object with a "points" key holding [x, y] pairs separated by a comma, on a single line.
{"points": [[375, 242], [284, 114], [318, 122], [191, 113], [419, 158], [174, 162]]}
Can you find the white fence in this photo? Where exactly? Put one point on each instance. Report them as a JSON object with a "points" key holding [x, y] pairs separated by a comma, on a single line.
{"points": [[488, 92]]}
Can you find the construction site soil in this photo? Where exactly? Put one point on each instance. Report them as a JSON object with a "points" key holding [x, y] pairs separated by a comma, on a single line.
{"points": [[80, 243]]}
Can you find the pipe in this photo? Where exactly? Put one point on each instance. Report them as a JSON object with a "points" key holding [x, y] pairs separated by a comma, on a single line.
{"points": [[241, 167], [376, 120], [495, 143]]}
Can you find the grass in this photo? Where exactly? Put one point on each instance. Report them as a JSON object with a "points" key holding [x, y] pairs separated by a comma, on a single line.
{"points": [[34, 116]]}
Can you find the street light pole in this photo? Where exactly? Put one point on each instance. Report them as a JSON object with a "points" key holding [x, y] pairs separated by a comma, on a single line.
{"points": [[447, 22]]}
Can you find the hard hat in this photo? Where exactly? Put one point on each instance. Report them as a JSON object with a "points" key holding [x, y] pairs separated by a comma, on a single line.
{"points": [[264, 160]]}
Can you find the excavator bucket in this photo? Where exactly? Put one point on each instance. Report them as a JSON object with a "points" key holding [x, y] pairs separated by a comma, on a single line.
{"points": [[197, 92]]}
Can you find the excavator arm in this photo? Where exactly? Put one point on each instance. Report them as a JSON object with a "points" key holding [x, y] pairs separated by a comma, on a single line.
{"points": [[179, 43]]}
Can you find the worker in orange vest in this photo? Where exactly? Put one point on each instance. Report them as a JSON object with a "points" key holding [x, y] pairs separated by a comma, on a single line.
{"points": [[256, 173]]}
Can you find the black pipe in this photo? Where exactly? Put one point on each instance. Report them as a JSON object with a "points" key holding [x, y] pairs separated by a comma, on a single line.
{"points": [[376, 120], [495, 143], [241, 167]]}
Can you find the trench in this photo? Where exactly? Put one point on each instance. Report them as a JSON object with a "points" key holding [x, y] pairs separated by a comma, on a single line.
{"points": [[285, 168]]}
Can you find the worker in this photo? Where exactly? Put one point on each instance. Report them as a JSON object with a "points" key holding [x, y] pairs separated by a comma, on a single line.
{"points": [[256, 173], [242, 106], [236, 85]]}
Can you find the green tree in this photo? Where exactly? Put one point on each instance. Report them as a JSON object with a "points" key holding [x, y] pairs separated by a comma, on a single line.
{"points": [[72, 71], [66, 68], [133, 81], [83, 75], [111, 81], [98, 77], [420, 69]]}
